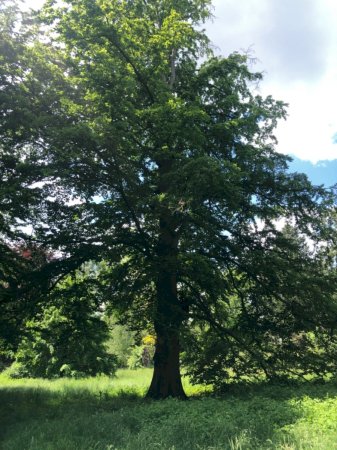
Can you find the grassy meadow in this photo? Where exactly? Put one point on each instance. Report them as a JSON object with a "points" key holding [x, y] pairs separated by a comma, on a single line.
{"points": [[110, 414]]}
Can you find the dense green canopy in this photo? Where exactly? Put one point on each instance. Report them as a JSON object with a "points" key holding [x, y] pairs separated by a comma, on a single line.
{"points": [[159, 158]]}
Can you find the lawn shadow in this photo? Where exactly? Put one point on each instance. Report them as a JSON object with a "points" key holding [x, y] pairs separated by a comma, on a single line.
{"points": [[20, 404], [278, 389]]}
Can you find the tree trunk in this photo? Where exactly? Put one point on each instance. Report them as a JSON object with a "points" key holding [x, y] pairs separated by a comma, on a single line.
{"points": [[166, 381]]}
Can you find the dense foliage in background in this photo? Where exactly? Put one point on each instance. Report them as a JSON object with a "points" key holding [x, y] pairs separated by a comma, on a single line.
{"points": [[68, 337], [132, 349], [120, 343], [159, 158]]}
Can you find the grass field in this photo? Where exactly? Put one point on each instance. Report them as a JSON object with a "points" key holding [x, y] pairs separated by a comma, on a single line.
{"points": [[110, 414]]}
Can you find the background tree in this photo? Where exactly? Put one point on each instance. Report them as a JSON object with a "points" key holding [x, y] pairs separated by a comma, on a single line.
{"points": [[68, 337], [121, 342], [177, 180]]}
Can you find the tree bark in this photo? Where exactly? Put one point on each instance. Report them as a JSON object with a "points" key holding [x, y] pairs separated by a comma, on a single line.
{"points": [[166, 381]]}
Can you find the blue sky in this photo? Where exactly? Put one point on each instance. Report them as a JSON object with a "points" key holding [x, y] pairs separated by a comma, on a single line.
{"points": [[295, 46], [323, 172]]}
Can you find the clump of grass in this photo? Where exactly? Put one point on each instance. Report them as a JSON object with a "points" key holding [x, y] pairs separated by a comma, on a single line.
{"points": [[111, 414]]}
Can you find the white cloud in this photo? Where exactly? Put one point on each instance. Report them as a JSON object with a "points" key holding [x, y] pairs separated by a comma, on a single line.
{"points": [[296, 44], [34, 4], [309, 130]]}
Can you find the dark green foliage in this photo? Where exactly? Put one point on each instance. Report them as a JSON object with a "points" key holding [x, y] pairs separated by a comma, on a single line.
{"points": [[21, 169], [21, 288], [68, 337], [278, 323]]}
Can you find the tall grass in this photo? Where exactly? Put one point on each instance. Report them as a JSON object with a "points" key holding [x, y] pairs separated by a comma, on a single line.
{"points": [[109, 413]]}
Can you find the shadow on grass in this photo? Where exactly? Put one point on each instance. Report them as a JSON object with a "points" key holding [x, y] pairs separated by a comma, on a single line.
{"points": [[279, 390], [244, 417]]}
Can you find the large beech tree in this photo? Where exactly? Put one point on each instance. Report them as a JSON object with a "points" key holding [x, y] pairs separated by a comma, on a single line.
{"points": [[170, 155]]}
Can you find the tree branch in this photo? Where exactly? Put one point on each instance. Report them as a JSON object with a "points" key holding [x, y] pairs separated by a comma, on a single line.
{"points": [[117, 44]]}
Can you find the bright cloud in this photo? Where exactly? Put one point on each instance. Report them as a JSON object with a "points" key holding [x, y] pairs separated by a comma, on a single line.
{"points": [[295, 42]]}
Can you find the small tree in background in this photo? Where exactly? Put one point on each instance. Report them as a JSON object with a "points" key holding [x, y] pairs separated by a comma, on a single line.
{"points": [[121, 342], [68, 337]]}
